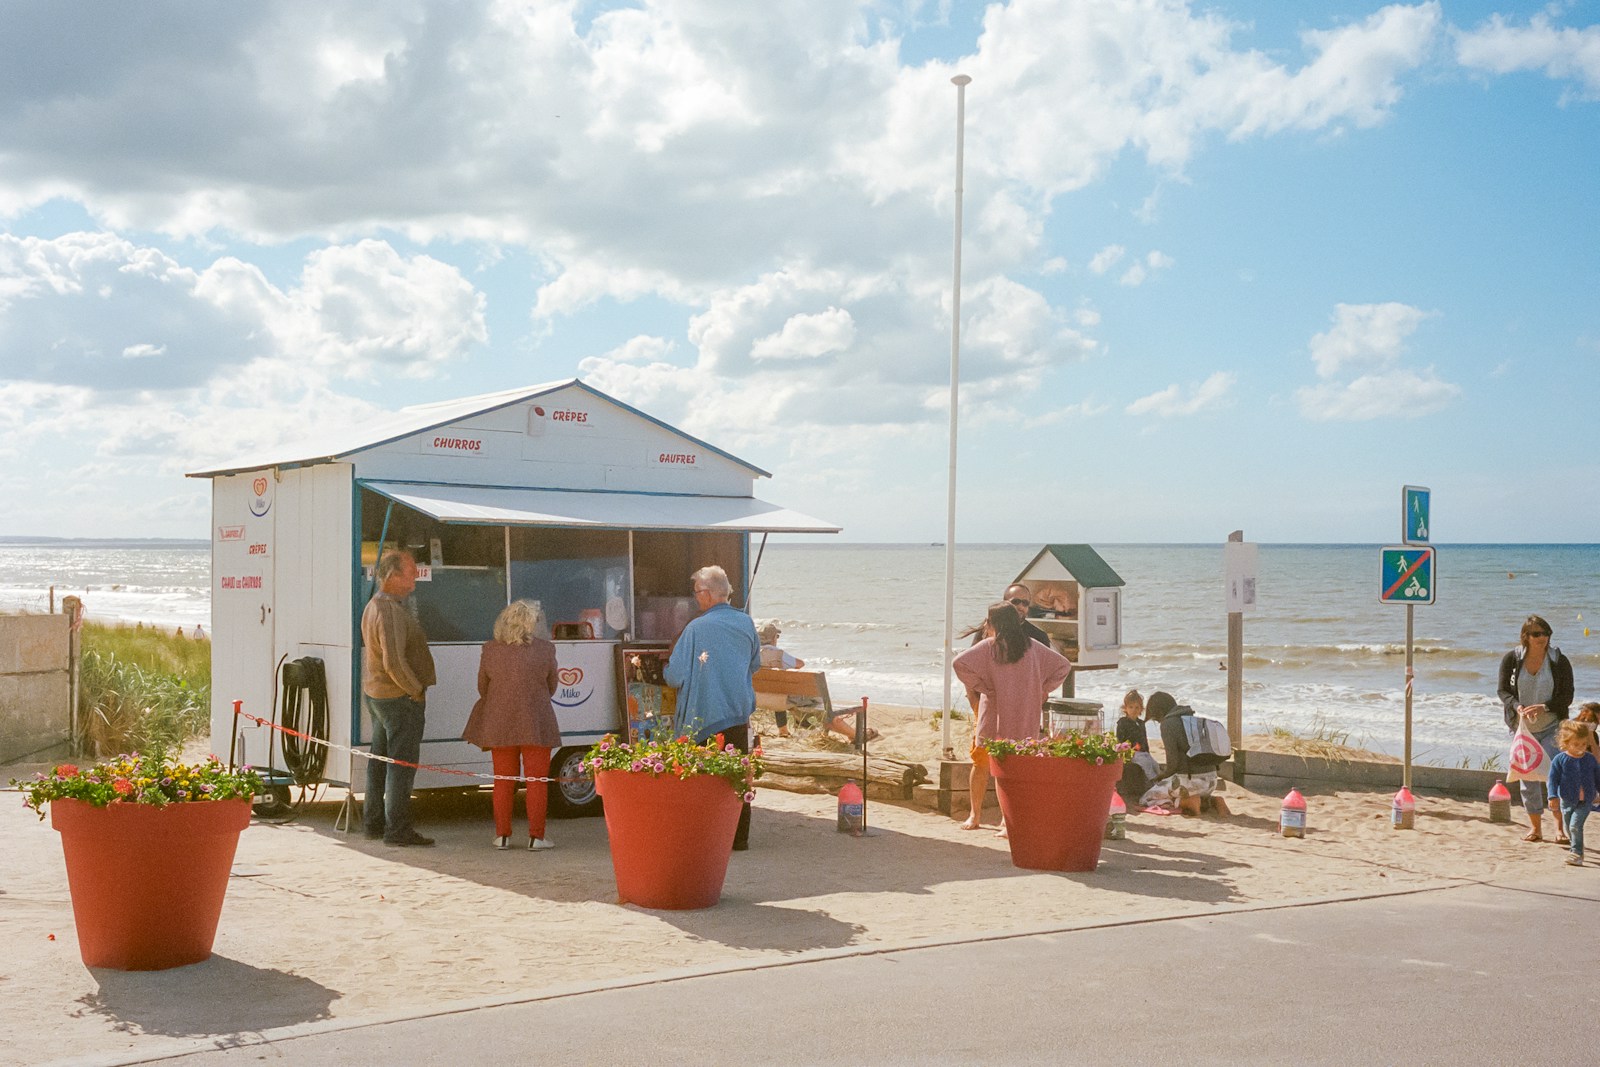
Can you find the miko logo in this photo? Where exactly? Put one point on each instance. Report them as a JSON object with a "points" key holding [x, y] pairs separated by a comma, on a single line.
{"points": [[571, 692], [260, 503]]}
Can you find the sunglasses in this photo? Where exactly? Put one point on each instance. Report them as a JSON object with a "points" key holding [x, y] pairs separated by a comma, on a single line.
{"points": [[1538, 633], [1020, 602]]}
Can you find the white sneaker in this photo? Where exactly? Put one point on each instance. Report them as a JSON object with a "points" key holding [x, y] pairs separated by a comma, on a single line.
{"points": [[502, 843], [539, 844], [1574, 860]]}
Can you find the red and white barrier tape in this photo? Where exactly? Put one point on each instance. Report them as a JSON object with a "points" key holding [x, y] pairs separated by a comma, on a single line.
{"points": [[259, 721]]}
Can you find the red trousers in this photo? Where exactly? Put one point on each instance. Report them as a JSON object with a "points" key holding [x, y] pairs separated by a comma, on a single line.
{"points": [[529, 762]]}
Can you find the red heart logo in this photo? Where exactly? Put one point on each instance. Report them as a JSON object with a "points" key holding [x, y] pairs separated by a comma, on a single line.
{"points": [[570, 676], [260, 486]]}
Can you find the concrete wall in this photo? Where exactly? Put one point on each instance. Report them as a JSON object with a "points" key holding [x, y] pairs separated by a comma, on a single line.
{"points": [[1274, 772], [35, 687]]}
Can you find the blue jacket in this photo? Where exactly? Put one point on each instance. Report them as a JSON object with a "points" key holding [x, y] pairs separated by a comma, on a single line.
{"points": [[1569, 774], [711, 667]]}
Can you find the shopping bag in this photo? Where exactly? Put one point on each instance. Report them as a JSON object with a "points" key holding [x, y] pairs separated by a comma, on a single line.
{"points": [[1528, 761]]}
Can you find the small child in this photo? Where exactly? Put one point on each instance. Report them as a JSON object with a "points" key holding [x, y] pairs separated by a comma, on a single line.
{"points": [[1589, 715], [1575, 781], [1136, 775]]}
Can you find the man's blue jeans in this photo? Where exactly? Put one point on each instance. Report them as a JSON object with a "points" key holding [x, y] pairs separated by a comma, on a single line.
{"points": [[396, 732]]}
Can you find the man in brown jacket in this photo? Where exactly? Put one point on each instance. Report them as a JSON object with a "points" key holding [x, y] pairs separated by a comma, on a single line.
{"points": [[396, 671]]}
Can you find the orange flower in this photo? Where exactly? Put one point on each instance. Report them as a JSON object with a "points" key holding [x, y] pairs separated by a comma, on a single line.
{"points": [[122, 786]]}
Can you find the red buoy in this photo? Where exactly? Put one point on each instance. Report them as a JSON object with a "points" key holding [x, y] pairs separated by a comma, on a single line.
{"points": [[1405, 810], [1499, 803], [1292, 816]]}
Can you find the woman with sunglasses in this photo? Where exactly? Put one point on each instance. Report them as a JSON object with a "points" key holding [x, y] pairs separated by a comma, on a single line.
{"points": [[1536, 692]]}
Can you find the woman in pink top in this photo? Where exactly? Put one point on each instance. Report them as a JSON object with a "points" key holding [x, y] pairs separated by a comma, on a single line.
{"points": [[1010, 675], [513, 718]]}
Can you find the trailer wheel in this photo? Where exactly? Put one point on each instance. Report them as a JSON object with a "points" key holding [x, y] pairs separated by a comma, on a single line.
{"points": [[273, 804], [575, 799]]}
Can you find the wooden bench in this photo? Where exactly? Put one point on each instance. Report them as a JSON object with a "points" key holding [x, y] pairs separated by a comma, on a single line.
{"points": [[774, 682]]}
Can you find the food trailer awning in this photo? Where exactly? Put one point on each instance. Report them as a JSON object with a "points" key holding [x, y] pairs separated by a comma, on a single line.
{"points": [[510, 506]]}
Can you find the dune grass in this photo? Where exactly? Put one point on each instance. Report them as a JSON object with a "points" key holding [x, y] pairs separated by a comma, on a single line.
{"points": [[142, 689]]}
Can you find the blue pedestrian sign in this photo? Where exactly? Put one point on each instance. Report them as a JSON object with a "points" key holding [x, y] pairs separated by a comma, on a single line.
{"points": [[1414, 512], [1407, 575]]}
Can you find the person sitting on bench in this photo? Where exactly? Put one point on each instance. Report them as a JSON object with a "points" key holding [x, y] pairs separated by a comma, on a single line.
{"points": [[776, 658]]}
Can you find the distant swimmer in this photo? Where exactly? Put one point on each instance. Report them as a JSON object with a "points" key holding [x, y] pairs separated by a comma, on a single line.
{"points": [[1510, 575]]}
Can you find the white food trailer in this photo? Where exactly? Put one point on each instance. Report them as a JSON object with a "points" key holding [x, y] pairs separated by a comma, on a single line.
{"points": [[556, 493]]}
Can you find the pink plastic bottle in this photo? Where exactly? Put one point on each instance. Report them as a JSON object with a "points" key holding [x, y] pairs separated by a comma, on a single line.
{"points": [[1117, 822], [1405, 810], [1499, 803], [1292, 816], [852, 806]]}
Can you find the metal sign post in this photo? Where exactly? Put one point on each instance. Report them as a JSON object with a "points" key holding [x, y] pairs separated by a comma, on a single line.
{"points": [[1407, 576], [1239, 577]]}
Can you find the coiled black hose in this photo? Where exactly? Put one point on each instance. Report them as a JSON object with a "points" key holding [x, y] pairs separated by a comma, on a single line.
{"points": [[304, 707]]}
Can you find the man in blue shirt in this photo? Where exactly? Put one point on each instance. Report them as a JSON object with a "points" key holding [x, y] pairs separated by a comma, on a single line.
{"points": [[712, 667]]}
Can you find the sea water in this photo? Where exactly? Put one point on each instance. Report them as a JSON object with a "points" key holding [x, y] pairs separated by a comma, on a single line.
{"points": [[1321, 653]]}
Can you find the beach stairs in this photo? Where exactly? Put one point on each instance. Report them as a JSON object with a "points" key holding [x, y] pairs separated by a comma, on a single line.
{"points": [[949, 795]]}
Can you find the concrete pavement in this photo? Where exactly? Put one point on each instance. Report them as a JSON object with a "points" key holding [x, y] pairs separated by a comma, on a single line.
{"points": [[1476, 973]]}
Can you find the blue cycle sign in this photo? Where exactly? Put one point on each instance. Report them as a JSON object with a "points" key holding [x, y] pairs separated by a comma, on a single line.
{"points": [[1407, 575], [1414, 508]]}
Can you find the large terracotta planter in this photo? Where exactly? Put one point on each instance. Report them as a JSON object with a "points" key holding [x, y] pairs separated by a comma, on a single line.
{"points": [[670, 837], [1055, 809], [147, 883]]}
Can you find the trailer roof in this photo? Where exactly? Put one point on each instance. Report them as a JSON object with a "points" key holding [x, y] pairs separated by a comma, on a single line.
{"points": [[597, 509], [420, 418]]}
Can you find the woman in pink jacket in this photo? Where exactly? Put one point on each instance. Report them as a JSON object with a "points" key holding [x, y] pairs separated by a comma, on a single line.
{"points": [[1011, 675], [513, 718]]}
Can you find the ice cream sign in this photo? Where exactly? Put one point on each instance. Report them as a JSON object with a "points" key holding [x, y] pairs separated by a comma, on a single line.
{"points": [[260, 496], [573, 690]]}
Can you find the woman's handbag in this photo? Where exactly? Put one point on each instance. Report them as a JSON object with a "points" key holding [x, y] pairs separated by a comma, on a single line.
{"points": [[1528, 760]]}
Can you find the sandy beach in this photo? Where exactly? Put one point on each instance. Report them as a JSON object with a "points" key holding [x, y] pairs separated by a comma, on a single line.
{"points": [[319, 925]]}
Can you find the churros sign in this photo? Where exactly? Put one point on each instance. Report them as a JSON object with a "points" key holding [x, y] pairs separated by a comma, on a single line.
{"points": [[454, 444]]}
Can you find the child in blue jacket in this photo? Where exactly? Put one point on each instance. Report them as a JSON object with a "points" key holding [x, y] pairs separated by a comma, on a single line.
{"points": [[1575, 781]]}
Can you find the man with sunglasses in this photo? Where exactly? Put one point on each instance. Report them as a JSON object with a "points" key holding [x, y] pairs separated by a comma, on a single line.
{"points": [[1020, 597]]}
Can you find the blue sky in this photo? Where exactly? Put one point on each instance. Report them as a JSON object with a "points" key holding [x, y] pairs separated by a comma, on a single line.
{"points": [[1239, 265]]}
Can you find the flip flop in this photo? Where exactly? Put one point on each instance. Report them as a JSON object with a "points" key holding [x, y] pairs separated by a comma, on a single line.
{"points": [[1533, 835], [1563, 840]]}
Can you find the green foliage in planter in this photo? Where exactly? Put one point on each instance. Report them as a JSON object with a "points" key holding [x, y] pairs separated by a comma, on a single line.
{"points": [[155, 779], [1096, 748]]}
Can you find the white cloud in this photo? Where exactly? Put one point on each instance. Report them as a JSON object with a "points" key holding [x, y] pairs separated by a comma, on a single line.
{"points": [[807, 337], [1174, 400], [1369, 341], [1398, 393], [641, 349], [1364, 335], [1353, 77], [73, 302], [1142, 270], [1106, 258], [1561, 53], [372, 310]]}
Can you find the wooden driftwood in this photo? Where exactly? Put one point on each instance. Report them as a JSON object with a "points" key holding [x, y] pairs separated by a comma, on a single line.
{"points": [[824, 772]]}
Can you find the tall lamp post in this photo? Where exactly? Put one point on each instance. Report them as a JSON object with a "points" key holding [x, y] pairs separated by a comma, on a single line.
{"points": [[960, 81]]}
